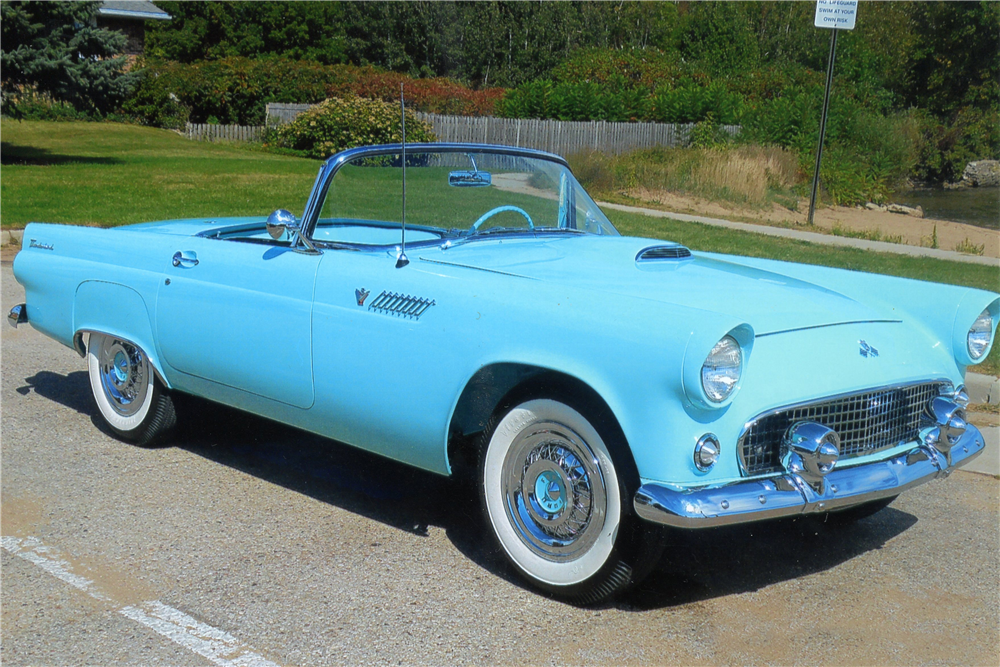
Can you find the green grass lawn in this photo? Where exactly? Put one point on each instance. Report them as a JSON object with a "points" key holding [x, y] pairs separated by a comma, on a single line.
{"points": [[108, 174]]}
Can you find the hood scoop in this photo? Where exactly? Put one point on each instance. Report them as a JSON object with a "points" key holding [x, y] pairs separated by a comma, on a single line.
{"points": [[658, 253]]}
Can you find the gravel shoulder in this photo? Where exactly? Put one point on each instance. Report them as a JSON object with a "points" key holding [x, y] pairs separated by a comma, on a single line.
{"points": [[313, 553]]}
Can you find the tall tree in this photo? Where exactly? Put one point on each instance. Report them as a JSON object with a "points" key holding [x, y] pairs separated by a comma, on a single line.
{"points": [[56, 48]]}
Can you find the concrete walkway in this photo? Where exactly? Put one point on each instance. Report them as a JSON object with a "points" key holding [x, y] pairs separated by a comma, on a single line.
{"points": [[811, 237]]}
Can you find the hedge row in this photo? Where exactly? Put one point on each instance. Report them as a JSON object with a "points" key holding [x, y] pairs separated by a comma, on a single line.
{"points": [[237, 90], [689, 102]]}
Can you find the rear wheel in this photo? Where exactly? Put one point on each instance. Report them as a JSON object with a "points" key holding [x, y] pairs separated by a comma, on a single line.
{"points": [[129, 396], [556, 492]]}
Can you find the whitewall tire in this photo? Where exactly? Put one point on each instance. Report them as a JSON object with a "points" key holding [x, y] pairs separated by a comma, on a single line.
{"points": [[557, 500], [128, 394]]}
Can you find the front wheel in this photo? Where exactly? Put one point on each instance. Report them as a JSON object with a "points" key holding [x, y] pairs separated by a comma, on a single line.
{"points": [[558, 502], [129, 396]]}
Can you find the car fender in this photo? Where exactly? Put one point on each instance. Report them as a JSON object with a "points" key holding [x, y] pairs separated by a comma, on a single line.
{"points": [[116, 310], [645, 398]]}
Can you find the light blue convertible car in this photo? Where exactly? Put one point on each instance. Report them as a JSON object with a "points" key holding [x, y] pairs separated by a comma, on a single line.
{"points": [[471, 303]]}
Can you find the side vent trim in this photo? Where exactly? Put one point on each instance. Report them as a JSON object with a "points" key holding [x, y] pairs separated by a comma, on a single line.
{"points": [[662, 252], [401, 305]]}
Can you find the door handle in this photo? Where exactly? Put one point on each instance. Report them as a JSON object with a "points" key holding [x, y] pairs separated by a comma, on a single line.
{"points": [[187, 259]]}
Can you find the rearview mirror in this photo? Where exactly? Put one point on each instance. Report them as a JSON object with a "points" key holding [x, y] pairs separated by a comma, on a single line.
{"points": [[469, 179]]}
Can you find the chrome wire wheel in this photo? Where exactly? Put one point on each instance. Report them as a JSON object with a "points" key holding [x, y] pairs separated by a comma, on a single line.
{"points": [[127, 392], [553, 490], [124, 374], [551, 494]]}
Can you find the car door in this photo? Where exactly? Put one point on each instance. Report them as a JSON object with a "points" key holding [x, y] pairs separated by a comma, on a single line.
{"points": [[239, 314], [384, 380]]}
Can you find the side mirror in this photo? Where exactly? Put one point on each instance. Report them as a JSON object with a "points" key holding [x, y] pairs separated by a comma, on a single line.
{"points": [[280, 222]]}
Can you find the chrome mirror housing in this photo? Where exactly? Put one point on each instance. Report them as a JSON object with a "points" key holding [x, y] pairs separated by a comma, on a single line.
{"points": [[280, 222]]}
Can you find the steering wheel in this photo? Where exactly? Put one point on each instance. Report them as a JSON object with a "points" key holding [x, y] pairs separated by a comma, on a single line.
{"points": [[500, 209]]}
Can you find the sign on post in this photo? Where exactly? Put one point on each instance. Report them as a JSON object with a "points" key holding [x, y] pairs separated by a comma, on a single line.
{"points": [[839, 14]]}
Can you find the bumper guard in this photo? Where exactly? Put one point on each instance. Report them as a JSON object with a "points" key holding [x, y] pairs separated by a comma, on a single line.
{"points": [[17, 315]]}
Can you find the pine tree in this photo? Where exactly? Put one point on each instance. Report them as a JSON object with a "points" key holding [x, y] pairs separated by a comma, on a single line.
{"points": [[54, 48]]}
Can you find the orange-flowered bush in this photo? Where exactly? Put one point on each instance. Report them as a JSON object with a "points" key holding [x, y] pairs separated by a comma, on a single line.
{"points": [[237, 90]]}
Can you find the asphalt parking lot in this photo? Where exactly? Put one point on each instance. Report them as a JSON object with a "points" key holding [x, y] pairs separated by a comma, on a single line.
{"points": [[248, 543]]}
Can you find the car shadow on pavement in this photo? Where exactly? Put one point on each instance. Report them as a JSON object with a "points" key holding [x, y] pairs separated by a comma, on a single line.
{"points": [[697, 565], [702, 564], [71, 390]]}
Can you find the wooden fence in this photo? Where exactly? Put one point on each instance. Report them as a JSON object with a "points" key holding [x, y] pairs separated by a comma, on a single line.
{"points": [[279, 113], [561, 137], [555, 136], [206, 132]]}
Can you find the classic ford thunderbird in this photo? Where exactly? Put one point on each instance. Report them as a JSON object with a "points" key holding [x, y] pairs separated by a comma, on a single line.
{"points": [[471, 303]]}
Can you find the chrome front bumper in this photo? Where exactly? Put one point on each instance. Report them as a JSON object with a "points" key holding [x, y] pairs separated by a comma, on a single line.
{"points": [[789, 494]]}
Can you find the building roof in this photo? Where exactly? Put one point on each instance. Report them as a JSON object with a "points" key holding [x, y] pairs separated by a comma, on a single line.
{"points": [[140, 10]]}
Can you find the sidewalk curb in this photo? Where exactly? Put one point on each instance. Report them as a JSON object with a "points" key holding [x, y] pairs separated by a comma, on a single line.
{"points": [[811, 237], [982, 388]]}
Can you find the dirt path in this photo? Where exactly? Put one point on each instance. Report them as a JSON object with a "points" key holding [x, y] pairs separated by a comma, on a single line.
{"points": [[913, 231]]}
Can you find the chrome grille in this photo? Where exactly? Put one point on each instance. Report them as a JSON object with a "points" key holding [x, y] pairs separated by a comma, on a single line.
{"points": [[866, 422], [663, 252], [402, 305]]}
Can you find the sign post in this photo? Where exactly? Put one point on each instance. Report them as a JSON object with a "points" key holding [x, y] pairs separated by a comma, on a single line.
{"points": [[836, 15]]}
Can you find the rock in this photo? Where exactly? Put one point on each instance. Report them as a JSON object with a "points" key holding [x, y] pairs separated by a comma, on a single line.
{"points": [[917, 212], [982, 173]]}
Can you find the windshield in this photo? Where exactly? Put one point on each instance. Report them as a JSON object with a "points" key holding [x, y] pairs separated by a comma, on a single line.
{"points": [[454, 195]]}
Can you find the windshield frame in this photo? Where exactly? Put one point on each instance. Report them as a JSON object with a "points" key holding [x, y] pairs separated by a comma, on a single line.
{"points": [[333, 164]]}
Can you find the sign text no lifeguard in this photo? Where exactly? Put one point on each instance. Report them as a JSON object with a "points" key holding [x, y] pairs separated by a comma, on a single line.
{"points": [[839, 14]]}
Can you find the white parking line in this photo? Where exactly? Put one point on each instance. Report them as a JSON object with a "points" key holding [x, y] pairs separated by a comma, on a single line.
{"points": [[209, 642]]}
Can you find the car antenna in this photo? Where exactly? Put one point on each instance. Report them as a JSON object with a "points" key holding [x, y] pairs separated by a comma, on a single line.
{"points": [[402, 261]]}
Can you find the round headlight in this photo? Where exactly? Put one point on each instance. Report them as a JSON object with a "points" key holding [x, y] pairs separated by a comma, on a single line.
{"points": [[979, 335], [721, 370]]}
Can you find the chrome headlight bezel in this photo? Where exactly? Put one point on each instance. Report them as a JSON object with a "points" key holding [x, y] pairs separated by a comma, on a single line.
{"points": [[977, 340]]}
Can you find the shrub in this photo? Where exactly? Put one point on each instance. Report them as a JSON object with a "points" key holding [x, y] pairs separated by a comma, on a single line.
{"points": [[434, 95], [338, 124], [588, 100], [29, 104], [153, 105], [693, 103], [944, 148], [620, 70], [237, 90]]}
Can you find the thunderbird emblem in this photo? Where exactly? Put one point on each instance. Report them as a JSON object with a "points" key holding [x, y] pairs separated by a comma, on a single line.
{"points": [[361, 294], [867, 350]]}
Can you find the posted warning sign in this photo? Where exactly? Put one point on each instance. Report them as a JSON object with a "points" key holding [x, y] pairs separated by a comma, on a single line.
{"points": [[839, 14]]}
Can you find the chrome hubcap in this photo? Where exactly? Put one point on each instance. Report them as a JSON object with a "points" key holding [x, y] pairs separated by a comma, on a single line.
{"points": [[553, 491], [124, 375]]}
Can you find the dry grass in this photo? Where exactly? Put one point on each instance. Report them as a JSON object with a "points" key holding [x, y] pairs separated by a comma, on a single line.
{"points": [[745, 175], [750, 172]]}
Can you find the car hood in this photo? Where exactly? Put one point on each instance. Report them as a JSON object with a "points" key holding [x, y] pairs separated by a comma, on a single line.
{"points": [[769, 301]]}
